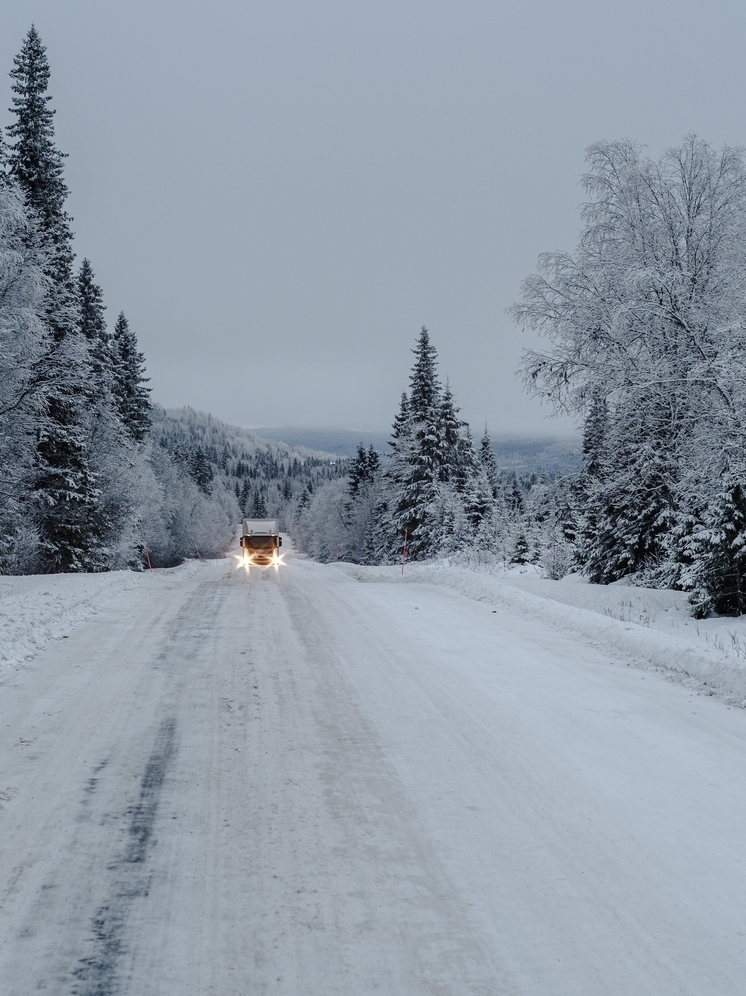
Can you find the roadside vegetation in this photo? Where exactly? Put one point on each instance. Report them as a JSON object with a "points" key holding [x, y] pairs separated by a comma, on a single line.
{"points": [[645, 330], [645, 324]]}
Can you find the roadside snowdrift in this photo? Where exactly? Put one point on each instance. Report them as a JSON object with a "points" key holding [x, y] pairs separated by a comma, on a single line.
{"points": [[650, 628], [37, 609]]}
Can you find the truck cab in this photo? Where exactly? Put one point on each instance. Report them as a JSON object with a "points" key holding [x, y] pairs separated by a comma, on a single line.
{"points": [[261, 541]]}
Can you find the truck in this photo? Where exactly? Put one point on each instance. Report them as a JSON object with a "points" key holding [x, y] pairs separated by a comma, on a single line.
{"points": [[261, 541]]}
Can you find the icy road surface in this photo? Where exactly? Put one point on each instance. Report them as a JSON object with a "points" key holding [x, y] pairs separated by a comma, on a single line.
{"points": [[303, 785]]}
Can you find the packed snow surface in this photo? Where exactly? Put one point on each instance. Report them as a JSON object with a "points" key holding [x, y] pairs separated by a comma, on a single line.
{"points": [[292, 782]]}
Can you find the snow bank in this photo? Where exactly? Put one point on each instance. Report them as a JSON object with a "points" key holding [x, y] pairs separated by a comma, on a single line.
{"points": [[37, 609], [650, 628]]}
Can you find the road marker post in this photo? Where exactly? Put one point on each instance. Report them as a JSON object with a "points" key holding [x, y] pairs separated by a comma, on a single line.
{"points": [[146, 551]]}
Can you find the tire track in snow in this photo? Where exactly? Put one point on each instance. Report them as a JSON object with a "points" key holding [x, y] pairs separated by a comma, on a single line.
{"points": [[96, 974]]}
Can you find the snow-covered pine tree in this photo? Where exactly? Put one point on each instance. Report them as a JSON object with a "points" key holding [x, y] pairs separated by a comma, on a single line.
{"points": [[4, 165], [630, 502], [37, 165], [93, 326], [66, 499], [132, 396], [402, 420], [24, 345], [590, 492], [119, 466], [514, 497], [430, 466], [486, 456], [413, 473], [305, 498], [478, 498], [363, 470], [200, 471], [594, 435], [258, 505], [648, 312], [456, 450], [520, 553], [361, 514], [718, 575], [244, 499], [424, 386], [374, 462], [359, 473]]}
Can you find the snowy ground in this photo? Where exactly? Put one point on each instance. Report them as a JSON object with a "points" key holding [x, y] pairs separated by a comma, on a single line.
{"points": [[652, 629], [301, 784]]}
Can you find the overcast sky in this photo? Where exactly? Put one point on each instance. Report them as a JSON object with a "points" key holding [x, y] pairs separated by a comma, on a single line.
{"points": [[280, 194]]}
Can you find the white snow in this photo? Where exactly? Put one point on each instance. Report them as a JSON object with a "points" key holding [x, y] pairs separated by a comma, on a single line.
{"points": [[37, 609], [651, 628], [294, 783]]}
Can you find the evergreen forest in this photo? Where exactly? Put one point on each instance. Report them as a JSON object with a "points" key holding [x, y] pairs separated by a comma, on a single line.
{"points": [[94, 476], [644, 331]]}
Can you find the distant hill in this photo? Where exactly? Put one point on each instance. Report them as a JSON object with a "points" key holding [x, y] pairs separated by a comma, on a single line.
{"points": [[340, 442], [523, 454], [263, 474], [536, 455], [189, 427]]}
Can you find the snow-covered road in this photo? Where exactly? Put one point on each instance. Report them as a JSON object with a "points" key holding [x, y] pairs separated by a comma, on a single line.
{"points": [[303, 785]]}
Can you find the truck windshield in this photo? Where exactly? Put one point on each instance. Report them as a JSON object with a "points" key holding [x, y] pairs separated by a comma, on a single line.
{"points": [[259, 542]]}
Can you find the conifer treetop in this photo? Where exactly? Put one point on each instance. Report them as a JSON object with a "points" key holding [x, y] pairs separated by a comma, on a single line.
{"points": [[401, 420], [35, 160], [92, 306], [129, 380], [424, 385], [4, 160], [92, 324]]}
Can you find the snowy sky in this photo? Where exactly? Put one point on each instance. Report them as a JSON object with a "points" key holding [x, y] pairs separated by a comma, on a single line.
{"points": [[280, 194]]}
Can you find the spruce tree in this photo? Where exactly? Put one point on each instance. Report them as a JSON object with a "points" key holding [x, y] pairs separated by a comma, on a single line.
{"points": [[24, 348], [244, 500], [358, 472], [132, 396], [402, 420], [305, 497], [594, 435], [720, 567], [363, 471], [515, 496], [5, 179], [415, 467], [374, 463], [478, 497], [453, 466], [37, 165], [36, 161], [259, 505], [66, 499], [200, 471], [91, 310], [488, 462], [424, 393], [629, 502], [520, 550]]}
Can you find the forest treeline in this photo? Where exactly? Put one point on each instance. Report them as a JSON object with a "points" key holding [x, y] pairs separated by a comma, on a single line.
{"points": [[82, 482], [95, 477], [439, 493], [646, 330]]}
